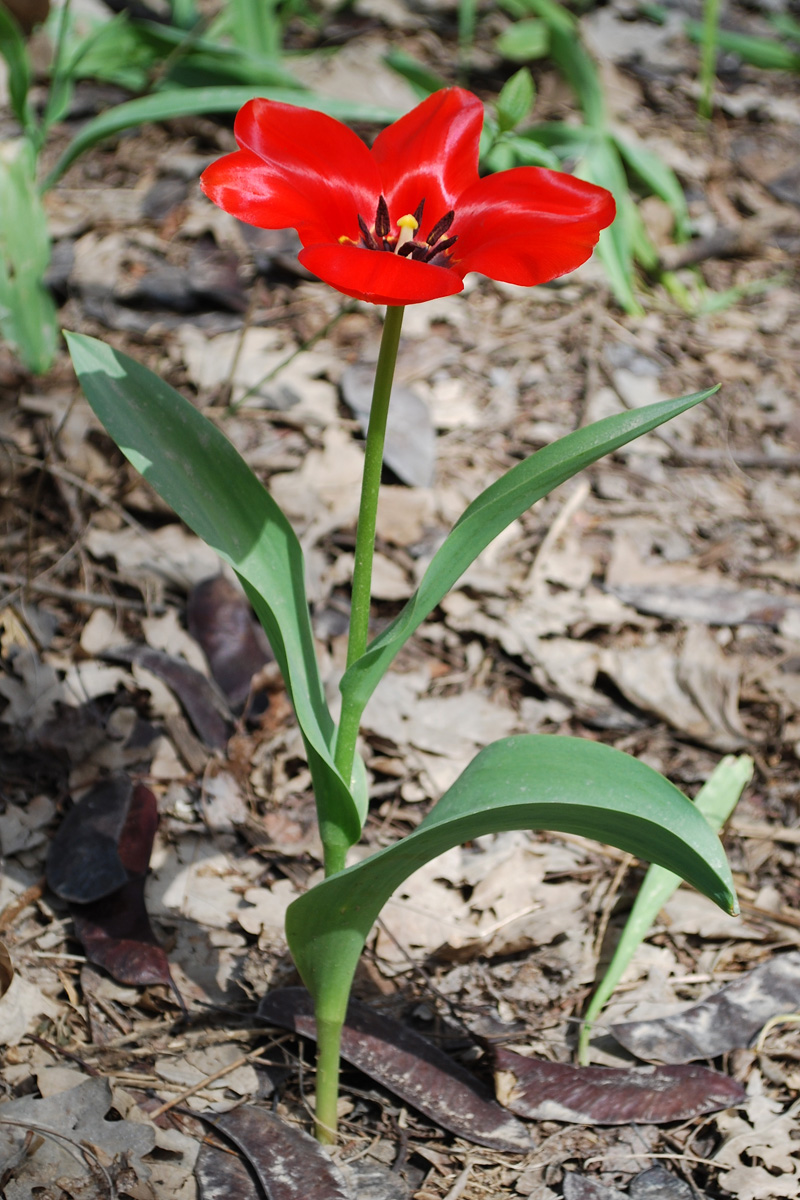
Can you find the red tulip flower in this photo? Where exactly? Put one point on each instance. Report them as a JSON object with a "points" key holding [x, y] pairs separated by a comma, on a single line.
{"points": [[407, 219]]}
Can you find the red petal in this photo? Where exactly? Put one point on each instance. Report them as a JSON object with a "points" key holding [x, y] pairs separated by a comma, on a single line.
{"points": [[296, 169], [378, 276], [529, 225], [431, 154]]}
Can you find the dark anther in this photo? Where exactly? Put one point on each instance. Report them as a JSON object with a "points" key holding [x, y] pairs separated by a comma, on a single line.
{"points": [[369, 240], [440, 249], [382, 222], [418, 211], [412, 249], [441, 227]]}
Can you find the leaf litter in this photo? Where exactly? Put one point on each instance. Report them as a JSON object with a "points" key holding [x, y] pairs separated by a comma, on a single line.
{"points": [[659, 615]]}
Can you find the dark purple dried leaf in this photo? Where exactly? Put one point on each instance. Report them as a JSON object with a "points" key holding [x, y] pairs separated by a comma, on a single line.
{"points": [[730, 1019], [116, 935], [288, 1163], [221, 621], [583, 1187], [83, 863], [138, 833], [411, 1068], [221, 1175], [201, 701], [659, 1184], [115, 931], [549, 1091]]}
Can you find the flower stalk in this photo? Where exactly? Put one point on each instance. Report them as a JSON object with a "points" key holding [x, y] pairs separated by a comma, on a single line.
{"points": [[365, 532]]}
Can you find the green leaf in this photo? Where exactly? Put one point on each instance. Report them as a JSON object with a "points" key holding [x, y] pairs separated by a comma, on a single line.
{"points": [[194, 467], [515, 100], [422, 79], [528, 152], [184, 102], [716, 801], [759, 52], [602, 165], [659, 177], [14, 51], [490, 513], [524, 41], [27, 312], [570, 785]]}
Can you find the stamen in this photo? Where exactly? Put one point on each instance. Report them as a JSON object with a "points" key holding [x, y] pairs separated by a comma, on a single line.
{"points": [[441, 227], [366, 233], [418, 211], [440, 249], [408, 226], [382, 222], [410, 249]]}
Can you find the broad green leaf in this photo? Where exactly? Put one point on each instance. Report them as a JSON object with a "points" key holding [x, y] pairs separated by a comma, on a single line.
{"points": [[570, 785], [194, 467], [716, 801], [13, 50], [184, 102], [490, 513], [659, 177], [524, 40], [515, 100], [27, 311]]}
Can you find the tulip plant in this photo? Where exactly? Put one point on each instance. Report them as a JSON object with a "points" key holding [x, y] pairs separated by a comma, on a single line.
{"points": [[399, 223]]}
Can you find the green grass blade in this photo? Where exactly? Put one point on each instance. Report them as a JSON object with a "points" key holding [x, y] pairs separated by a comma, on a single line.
{"points": [[27, 312], [488, 515], [570, 785], [184, 102], [14, 51], [716, 801], [659, 177], [194, 467]]}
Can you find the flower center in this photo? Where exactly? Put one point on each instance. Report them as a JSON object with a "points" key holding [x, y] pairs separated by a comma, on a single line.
{"points": [[380, 236]]}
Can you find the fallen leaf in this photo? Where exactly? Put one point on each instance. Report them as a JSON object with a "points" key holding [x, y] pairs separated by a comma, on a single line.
{"points": [[201, 701], [410, 448], [83, 864], [552, 1091], [6, 969], [410, 1067], [759, 1158], [729, 1019], [288, 1163], [583, 1187], [221, 621], [660, 1184], [221, 1174], [115, 931], [84, 1140], [707, 605]]}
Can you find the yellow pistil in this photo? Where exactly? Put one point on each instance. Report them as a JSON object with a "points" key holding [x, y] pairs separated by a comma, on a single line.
{"points": [[408, 226]]}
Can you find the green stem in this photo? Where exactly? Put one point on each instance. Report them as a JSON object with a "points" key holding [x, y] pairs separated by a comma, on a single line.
{"points": [[708, 56], [365, 534], [329, 1036]]}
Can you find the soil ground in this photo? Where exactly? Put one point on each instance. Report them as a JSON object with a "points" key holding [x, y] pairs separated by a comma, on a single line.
{"points": [[652, 603]]}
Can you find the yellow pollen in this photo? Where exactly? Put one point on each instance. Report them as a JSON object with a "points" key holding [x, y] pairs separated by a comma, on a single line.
{"points": [[408, 225], [344, 239]]}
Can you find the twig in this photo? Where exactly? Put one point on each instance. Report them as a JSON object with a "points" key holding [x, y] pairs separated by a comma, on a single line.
{"points": [[97, 599], [28, 897], [198, 1087]]}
